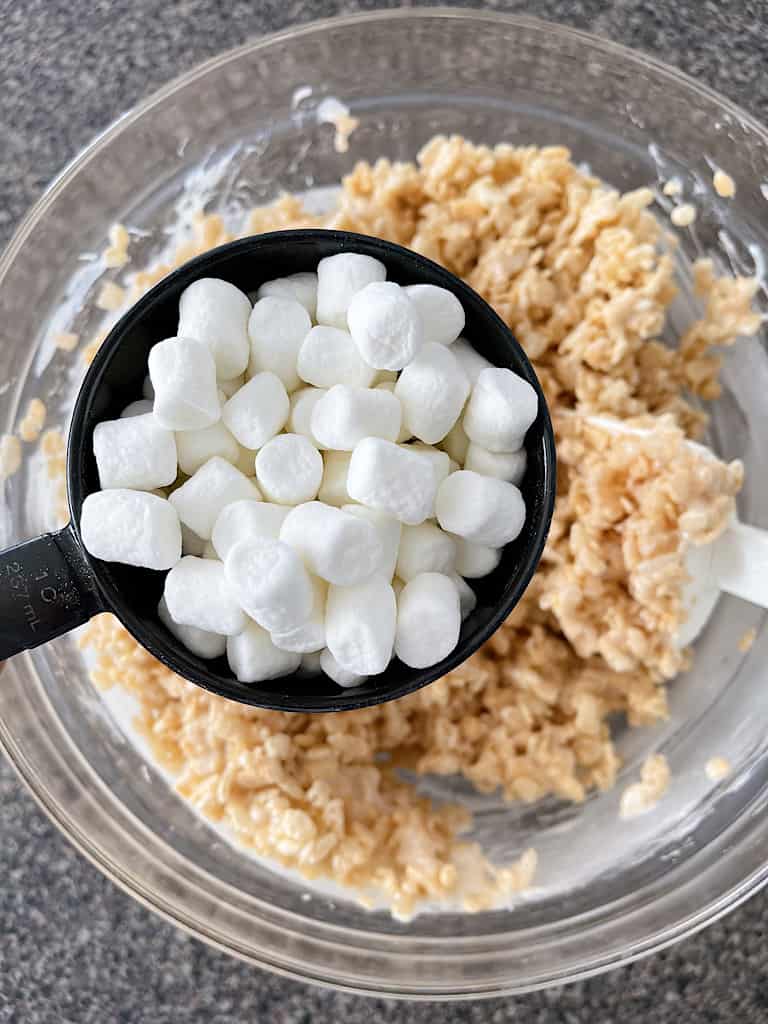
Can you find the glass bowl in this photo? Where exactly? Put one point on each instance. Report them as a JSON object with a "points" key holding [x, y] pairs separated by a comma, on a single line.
{"points": [[234, 133]]}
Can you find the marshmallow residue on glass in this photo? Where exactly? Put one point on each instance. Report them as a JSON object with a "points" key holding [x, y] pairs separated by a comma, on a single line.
{"points": [[318, 473]]}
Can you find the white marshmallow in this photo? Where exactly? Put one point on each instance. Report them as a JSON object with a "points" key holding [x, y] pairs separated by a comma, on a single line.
{"points": [[333, 489], [329, 356], [310, 637], [339, 675], [216, 313], [471, 362], [433, 390], [509, 466], [197, 594], [229, 387], [253, 657], [270, 582], [258, 411], [214, 486], [360, 625], [404, 433], [338, 547], [289, 469], [385, 325], [303, 402], [442, 315], [245, 519], [345, 415], [500, 410], [131, 527], [339, 279], [475, 560], [135, 453], [196, 447], [391, 478], [480, 508], [197, 641], [184, 378], [139, 408], [389, 531], [425, 548], [302, 287], [191, 544], [456, 443], [246, 461], [467, 596], [277, 327], [428, 620], [440, 461]]}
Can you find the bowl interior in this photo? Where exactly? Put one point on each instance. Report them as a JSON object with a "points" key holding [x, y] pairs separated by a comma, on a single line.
{"points": [[115, 378], [238, 133]]}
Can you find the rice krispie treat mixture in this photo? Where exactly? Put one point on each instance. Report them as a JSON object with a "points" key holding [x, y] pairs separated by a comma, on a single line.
{"points": [[584, 278]]}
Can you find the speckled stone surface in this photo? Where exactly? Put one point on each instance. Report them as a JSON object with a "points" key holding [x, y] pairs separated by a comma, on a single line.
{"points": [[73, 948]]}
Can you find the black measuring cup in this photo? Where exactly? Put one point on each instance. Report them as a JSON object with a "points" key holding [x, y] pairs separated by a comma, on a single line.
{"points": [[52, 584]]}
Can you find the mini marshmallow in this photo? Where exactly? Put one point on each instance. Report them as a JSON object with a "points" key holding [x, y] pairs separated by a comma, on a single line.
{"points": [[480, 508], [258, 411], [197, 641], [425, 548], [428, 620], [253, 657], [303, 403], [333, 489], [475, 560], [229, 387], [270, 582], [302, 287], [389, 531], [277, 327], [456, 443], [197, 594], [191, 544], [339, 547], [289, 469], [360, 625], [310, 637], [135, 453], [214, 486], [184, 378], [404, 433], [500, 410], [339, 675], [131, 527], [440, 461], [329, 356], [470, 360], [442, 315], [216, 313], [339, 279], [385, 325], [467, 596], [433, 390], [393, 479], [509, 466], [345, 415], [196, 447], [245, 519], [139, 408]]}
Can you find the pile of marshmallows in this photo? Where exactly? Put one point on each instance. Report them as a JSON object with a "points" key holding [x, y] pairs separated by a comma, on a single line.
{"points": [[344, 463]]}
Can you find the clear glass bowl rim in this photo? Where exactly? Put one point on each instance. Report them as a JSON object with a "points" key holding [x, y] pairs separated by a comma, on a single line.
{"points": [[737, 891]]}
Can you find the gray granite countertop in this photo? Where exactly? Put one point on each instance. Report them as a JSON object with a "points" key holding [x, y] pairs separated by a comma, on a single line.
{"points": [[73, 948]]}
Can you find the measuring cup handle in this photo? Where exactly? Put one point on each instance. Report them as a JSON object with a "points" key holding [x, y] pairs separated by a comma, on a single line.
{"points": [[46, 589]]}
